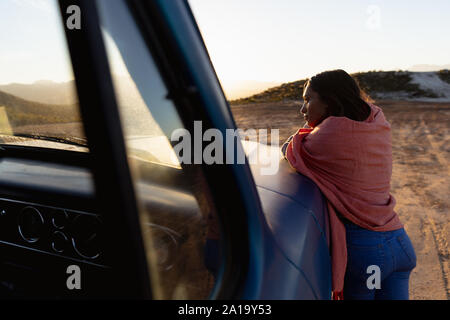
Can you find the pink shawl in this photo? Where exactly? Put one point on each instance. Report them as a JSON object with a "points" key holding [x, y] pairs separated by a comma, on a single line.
{"points": [[351, 163]]}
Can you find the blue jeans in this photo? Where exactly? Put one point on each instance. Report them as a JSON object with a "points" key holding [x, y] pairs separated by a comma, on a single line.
{"points": [[391, 251]]}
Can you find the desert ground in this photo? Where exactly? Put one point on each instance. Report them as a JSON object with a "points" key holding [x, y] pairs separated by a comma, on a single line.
{"points": [[420, 180]]}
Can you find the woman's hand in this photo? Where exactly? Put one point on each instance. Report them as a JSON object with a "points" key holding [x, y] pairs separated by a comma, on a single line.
{"points": [[285, 145]]}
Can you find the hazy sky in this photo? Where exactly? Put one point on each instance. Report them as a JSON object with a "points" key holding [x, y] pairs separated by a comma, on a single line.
{"points": [[264, 40], [287, 40], [32, 44]]}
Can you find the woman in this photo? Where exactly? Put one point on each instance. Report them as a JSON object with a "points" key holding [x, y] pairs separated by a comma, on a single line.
{"points": [[346, 151]]}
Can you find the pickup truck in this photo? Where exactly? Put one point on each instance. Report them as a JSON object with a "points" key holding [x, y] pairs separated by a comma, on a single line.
{"points": [[116, 215]]}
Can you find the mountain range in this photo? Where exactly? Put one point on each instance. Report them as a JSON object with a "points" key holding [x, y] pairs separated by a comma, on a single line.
{"points": [[44, 91], [45, 102]]}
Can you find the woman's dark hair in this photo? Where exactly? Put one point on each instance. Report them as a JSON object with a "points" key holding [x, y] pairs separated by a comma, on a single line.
{"points": [[342, 94]]}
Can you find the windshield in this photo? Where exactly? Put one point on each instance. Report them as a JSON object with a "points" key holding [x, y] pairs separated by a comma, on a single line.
{"points": [[38, 100]]}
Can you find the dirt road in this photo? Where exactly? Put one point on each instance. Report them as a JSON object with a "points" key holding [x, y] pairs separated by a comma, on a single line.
{"points": [[420, 180]]}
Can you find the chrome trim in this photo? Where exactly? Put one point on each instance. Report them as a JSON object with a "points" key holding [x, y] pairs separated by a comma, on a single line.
{"points": [[47, 206], [82, 255], [56, 233], [66, 216], [19, 224], [54, 254]]}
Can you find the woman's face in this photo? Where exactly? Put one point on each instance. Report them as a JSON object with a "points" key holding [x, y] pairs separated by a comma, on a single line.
{"points": [[313, 109]]}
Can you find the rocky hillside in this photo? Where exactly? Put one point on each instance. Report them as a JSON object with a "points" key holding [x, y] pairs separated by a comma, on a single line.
{"points": [[401, 85], [24, 112]]}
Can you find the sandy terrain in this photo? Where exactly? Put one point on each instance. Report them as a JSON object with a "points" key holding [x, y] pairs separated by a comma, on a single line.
{"points": [[420, 181]]}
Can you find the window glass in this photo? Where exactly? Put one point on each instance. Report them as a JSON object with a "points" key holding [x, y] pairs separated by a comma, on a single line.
{"points": [[38, 100], [173, 212]]}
